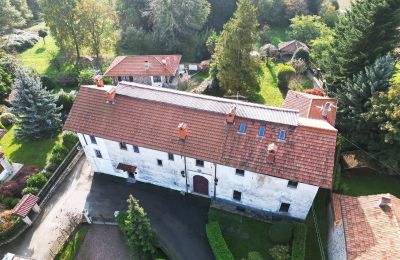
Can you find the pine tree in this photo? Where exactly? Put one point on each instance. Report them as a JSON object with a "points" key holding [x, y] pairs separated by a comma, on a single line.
{"points": [[367, 31], [35, 107], [237, 71], [354, 96]]}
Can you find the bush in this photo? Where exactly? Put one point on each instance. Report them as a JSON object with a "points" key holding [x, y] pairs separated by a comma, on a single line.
{"points": [[14, 187], [68, 79], [57, 156], [254, 255], [299, 241], [217, 242], [7, 119], [279, 252], [32, 190], [86, 77], [36, 181], [48, 83], [19, 41], [69, 139], [9, 202], [281, 232], [285, 72], [65, 100]]}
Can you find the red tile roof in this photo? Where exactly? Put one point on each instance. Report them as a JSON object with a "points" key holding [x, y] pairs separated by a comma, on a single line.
{"points": [[310, 106], [25, 205], [135, 65], [371, 232], [307, 155]]}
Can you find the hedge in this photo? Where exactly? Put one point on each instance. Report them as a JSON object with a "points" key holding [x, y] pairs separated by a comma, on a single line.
{"points": [[281, 232], [217, 242], [299, 241]]}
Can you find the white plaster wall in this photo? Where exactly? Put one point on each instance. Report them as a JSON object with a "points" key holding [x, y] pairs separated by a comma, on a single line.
{"points": [[336, 239], [265, 192]]}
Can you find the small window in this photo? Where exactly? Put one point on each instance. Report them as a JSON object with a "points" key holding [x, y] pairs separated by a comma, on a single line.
{"points": [[242, 128], [292, 184], [261, 130], [135, 148], [282, 135], [93, 139], [130, 79], [239, 172], [98, 154], [284, 207], [199, 163], [156, 79], [159, 162], [119, 78], [170, 157], [237, 195], [123, 146]]}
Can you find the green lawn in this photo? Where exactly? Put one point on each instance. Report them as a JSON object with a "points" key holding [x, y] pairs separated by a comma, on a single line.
{"points": [[242, 234], [270, 93], [201, 76], [71, 248], [34, 153], [277, 35], [321, 211]]}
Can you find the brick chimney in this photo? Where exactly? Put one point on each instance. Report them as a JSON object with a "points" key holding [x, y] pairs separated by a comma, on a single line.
{"points": [[385, 201], [230, 117], [183, 131], [110, 95], [5, 163], [272, 149], [99, 81]]}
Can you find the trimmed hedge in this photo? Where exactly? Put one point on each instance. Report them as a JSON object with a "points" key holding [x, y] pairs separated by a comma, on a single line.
{"points": [[7, 119], [299, 241], [217, 242]]}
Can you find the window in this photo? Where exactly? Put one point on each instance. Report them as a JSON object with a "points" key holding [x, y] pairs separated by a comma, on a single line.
{"points": [[292, 184], [242, 128], [93, 139], [119, 78], [170, 157], [284, 207], [237, 195], [122, 146], [130, 79], [159, 162], [156, 79], [261, 130], [135, 148], [199, 163], [282, 134], [239, 172], [98, 154]]}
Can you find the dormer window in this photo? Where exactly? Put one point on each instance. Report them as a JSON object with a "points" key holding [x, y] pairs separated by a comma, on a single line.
{"points": [[261, 131], [282, 135], [242, 128]]}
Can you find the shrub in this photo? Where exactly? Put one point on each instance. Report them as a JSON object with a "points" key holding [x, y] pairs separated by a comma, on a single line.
{"points": [[281, 232], [9, 202], [302, 54], [86, 77], [69, 139], [36, 181], [65, 100], [32, 190], [14, 187], [285, 72], [254, 255], [7, 119], [299, 241], [57, 156], [299, 65], [68, 79], [279, 252], [217, 242], [48, 83], [19, 41]]}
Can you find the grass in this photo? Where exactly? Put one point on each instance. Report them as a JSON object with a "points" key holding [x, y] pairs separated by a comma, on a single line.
{"points": [[34, 153], [70, 249], [321, 211], [270, 93], [242, 234], [277, 35], [201, 76]]}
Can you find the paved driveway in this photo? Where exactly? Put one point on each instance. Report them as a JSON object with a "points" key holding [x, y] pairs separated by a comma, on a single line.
{"points": [[179, 220]]}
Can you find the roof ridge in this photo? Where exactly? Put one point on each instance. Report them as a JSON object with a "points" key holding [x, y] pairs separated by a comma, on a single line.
{"points": [[123, 58], [162, 64]]}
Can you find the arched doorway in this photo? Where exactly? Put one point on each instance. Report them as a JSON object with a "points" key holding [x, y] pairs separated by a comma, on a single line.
{"points": [[200, 185]]}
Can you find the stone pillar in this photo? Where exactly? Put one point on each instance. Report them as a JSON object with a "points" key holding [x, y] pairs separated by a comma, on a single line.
{"points": [[36, 208], [27, 220], [87, 216]]}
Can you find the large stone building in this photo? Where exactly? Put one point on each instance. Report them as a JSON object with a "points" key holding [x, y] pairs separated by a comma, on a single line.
{"points": [[153, 70], [263, 158]]}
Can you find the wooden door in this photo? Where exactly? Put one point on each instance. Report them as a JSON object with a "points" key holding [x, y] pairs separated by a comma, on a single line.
{"points": [[200, 185]]}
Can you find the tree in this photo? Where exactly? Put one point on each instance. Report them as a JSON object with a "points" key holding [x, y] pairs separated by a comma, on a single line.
{"points": [[66, 23], [306, 28], [295, 7], [136, 227], [23, 8], [320, 50], [35, 8], [270, 12], [212, 42], [42, 34], [329, 14], [5, 84], [10, 17], [133, 14], [98, 18], [37, 114], [355, 44], [176, 22], [236, 70], [314, 6]]}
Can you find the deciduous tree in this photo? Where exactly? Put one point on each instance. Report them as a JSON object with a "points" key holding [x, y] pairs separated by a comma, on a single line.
{"points": [[10, 17], [306, 28]]}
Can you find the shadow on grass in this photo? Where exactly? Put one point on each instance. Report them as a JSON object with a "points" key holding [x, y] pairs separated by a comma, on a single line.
{"points": [[272, 72], [40, 50]]}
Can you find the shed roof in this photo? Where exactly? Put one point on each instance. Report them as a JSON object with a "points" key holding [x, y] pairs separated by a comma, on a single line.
{"points": [[25, 205]]}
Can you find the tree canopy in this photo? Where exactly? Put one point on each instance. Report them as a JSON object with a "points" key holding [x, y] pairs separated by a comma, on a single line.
{"points": [[306, 28]]}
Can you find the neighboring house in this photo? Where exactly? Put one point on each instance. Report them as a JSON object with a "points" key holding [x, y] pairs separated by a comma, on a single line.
{"points": [[287, 49], [263, 158], [366, 227], [152, 70], [269, 50], [312, 106]]}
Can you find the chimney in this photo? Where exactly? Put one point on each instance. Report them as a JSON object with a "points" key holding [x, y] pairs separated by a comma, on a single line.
{"points": [[146, 65], [385, 201], [164, 61], [230, 117], [110, 95], [272, 149], [5, 163], [99, 81], [183, 131]]}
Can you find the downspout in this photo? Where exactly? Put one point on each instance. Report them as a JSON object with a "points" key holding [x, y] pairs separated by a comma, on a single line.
{"points": [[215, 181], [186, 176]]}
